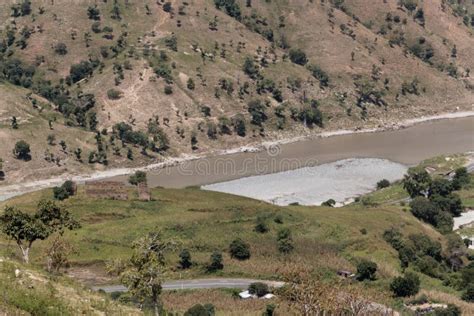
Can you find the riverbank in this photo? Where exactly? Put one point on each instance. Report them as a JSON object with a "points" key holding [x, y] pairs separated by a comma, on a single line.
{"points": [[272, 148]]}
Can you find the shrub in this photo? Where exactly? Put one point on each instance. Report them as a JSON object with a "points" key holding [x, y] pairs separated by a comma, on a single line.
{"points": [[231, 7], [238, 121], [461, 178], [185, 259], [285, 241], [114, 94], [269, 310], [261, 226], [60, 49], [216, 262], [366, 270], [329, 203], [249, 68], [320, 75], [239, 249], [384, 183], [258, 288], [310, 115], [80, 71], [297, 56], [138, 177], [168, 90], [67, 189], [408, 285], [201, 310], [257, 112], [468, 294], [451, 310], [22, 150], [190, 84]]}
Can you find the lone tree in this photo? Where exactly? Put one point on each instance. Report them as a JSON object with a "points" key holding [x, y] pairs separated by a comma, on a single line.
{"points": [[22, 150], [239, 249], [25, 228], [143, 273], [417, 182]]}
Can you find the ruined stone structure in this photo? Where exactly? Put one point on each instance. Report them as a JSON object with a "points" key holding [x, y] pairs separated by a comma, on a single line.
{"points": [[107, 190]]}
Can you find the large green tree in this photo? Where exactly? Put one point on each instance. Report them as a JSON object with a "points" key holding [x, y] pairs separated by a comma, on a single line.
{"points": [[25, 228], [143, 273]]}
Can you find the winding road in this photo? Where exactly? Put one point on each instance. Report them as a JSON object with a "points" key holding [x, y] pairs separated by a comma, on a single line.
{"points": [[196, 284]]}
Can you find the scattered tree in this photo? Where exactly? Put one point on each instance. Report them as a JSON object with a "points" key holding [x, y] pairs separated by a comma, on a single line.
{"points": [[25, 228]]}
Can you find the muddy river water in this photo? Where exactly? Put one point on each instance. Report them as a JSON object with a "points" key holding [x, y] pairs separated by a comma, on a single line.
{"points": [[406, 146]]}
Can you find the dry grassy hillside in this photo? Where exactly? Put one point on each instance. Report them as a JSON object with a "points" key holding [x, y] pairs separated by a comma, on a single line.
{"points": [[175, 72]]}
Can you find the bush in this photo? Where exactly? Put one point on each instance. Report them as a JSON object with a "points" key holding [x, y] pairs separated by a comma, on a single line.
{"points": [[320, 75], [451, 310], [216, 262], [461, 177], [60, 49], [269, 310], [114, 94], [249, 68], [201, 310], [261, 226], [67, 189], [22, 150], [258, 288], [239, 249], [384, 183], [238, 122], [285, 241], [168, 90], [257, 112], [80, 71], [185, 259], [329, 203], [231, 7], [468, 294], [311, 115], [366, 270], [408, 285], [297, 56], [424, 209], [138, 177]]}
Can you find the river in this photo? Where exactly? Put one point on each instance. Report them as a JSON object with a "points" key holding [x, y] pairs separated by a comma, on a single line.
{"points": [[406, 146]]}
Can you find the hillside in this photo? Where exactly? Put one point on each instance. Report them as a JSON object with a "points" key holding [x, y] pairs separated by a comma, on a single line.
{"points": [[193, 76], [325, 240], [27, 291]]}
